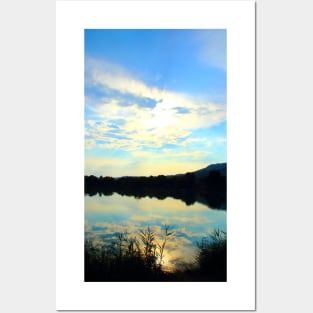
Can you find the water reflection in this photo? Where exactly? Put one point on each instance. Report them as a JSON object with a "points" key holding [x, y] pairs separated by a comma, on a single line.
{"points": [[107, 216], [190, 188]]}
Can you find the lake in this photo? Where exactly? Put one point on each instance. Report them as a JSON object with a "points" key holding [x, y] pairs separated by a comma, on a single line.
{"points": [[107, 216]]}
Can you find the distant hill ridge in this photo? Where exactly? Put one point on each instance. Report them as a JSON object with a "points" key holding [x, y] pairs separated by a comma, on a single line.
{"points": [[207, 185], [220, 167]]}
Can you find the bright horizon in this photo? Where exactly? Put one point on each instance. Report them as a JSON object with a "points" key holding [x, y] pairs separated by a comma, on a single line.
{"points": [[155, 101]]}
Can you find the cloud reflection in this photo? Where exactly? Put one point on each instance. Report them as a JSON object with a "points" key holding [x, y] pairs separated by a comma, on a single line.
{"points": [[105, 217]]}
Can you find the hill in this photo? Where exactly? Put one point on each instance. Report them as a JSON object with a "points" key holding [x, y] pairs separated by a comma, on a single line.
{"points": [[219, 167], [207, 185]]}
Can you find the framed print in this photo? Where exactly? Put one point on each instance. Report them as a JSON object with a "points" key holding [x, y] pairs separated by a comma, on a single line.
{"points": [[155, 155]]}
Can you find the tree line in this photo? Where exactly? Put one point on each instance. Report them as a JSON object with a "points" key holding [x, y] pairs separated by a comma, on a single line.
{"points": [[209, 190]]}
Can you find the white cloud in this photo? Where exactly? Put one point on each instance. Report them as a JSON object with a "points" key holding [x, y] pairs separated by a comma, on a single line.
{"points": [[213, 48], [176, 248], [143, 126], [115, 77], [104, 166], [220, 139], [167, 154]]}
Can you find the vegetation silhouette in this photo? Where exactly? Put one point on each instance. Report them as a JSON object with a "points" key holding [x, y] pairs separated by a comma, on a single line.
{"points": [[140, 258], [128, 258], [209, 189]]}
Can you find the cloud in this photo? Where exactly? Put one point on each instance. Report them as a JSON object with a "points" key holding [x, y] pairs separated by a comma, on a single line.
{"points": [[178, 248], [220, 139], [103, 166], [213, 48], [169, 118], [167, 154], [185, 232], [112, 76], [107, 216]]}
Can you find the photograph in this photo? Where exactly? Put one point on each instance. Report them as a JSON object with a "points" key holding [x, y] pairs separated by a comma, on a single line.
{"points": [[155, 155]]}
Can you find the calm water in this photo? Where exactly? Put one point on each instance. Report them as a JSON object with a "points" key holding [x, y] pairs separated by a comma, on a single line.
{"points": [[106, 216]]}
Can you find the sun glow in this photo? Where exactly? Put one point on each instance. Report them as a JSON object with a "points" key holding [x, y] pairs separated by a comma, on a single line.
{"points": [[167, 264], [162, 119], [163, 116]]}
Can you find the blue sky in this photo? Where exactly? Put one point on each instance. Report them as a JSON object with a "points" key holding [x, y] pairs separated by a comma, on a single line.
{"points": [[155, 101]]}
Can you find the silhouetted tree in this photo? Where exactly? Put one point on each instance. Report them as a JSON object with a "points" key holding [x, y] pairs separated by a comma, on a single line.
{"points": [[210, 189]]}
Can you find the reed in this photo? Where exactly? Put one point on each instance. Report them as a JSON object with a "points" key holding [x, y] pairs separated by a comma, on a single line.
{"points": [[141, 258]]}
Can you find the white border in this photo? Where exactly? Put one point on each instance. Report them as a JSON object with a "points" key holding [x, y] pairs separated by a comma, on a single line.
{"points": [[238, 17]]}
